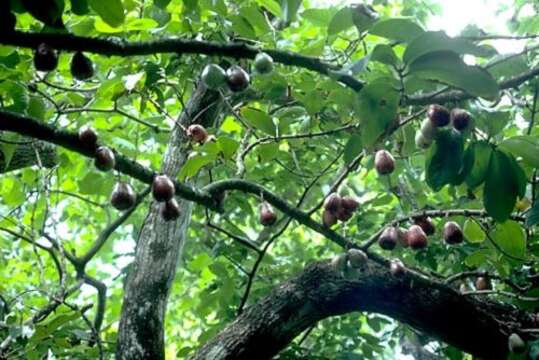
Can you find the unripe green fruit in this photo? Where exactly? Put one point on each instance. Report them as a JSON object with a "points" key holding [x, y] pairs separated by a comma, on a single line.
{"points": [[339, 262], [420, 141], [357, 258], [428, 130], [213, 76], [263, 63], [516, 344]]}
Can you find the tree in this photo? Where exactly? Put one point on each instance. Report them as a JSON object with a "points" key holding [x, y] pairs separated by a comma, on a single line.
{"points": [[276, 178]]}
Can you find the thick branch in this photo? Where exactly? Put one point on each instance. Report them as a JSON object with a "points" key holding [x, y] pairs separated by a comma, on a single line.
{"points": [[479, 327], [120, 47]]}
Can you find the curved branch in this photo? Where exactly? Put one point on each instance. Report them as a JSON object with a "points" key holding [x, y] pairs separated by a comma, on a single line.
{"points": [[477, 326], [120, 47]]}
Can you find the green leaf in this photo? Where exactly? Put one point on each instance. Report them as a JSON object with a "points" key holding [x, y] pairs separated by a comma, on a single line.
{"points": [[524, 146], [79, 7], [290, 9], [481, 159], [161, 3], [478, 258], [352, 148], [271, 5], [492, 122], [377, 109], [341, 21], [8, 148], [384, 54], [501, 187], [444, 159], [473, 232], [194, 164], [532, 217], [401, 29], [519, 175], [47, 11], [111, 11], [259, 120], [228, 146], [253, 15], [36, 107], [436, 41], [510, 237], [448, 67]]}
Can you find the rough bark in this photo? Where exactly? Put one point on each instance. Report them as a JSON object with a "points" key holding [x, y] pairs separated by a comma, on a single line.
{"points": [[476, 326], [25, 156], [141, 331]]}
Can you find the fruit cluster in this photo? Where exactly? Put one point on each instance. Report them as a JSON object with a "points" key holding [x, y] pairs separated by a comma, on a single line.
{"points": [[338, 208], [438, 117], [237, 79], [416, 236], [46, 60]]}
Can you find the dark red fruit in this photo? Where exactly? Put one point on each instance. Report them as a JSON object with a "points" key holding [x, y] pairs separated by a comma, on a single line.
{"points": [[123, 196], [197, 133], [219, 197], [482, 283], [170, 210], [344, 214], [88, 137], [349, 203], [402, 239], [439, 115], [416, 237], [384, 162], [267, 215], [426, 224], [329, 218], [237, 79], [45, 58], [333, 203], [453, 233], [104, 158], [162, 188], [396, 267], [460, 119], [81, 66], [388, 239]]}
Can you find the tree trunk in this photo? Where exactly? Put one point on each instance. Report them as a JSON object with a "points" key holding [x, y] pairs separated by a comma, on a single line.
{"points": [[141, 331], [476, 326]]}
